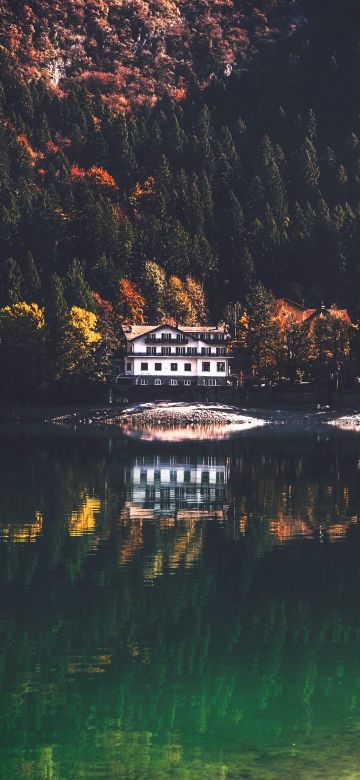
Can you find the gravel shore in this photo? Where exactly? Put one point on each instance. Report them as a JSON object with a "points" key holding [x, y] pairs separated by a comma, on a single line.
{"points": [[350, 422], [168, 414]]}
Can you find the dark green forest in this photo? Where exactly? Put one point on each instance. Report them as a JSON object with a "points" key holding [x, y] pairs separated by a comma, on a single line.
{"points": [[256, 178]]}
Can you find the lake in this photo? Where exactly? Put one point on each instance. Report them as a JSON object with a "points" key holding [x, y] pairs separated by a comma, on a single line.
{"points": [[179, 610]]}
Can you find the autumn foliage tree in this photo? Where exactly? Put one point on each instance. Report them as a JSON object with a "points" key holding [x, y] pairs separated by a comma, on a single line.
{"points": [[130, 304], [22, 348]]}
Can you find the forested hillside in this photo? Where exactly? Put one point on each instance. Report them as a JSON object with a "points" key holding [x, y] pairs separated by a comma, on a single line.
{"points": [[135, 51], [254, 178]]}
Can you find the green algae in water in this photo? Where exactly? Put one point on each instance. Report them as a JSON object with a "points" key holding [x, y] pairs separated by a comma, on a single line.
{"points": [[179, 611]]}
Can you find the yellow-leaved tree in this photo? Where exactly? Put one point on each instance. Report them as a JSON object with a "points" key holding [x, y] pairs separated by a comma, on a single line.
{"points": [[22, 348], [81, 342]]}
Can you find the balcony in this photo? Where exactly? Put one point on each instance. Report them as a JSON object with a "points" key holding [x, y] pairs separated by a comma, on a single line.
{"points": [[163, 341], [190, 352]]}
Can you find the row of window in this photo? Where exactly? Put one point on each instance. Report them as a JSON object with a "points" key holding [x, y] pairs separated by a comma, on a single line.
{"points": [[166, 337], [181, 337], [186, 382], [184, 351], [186, 478], [220, 366]]}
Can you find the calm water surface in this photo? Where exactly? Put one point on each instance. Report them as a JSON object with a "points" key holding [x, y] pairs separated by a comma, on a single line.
{"points": [[179, 610]]}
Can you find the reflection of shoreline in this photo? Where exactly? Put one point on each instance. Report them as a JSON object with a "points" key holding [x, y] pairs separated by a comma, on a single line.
{"points": [[170, 421], [188, 433]]}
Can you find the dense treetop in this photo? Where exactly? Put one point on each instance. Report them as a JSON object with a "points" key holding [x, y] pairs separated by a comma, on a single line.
{"points": [[134, 51]]}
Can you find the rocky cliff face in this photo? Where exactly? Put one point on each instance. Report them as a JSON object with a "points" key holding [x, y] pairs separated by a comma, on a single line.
{"points": [[135, 50]]}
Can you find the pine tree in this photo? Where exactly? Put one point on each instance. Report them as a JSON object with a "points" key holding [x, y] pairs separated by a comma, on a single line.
{"points": [[32, 281], [56, 320], [78, 292], [262, 333], [104, 277], [12, 283], [269, 174], [154, 286], [308, 172]]}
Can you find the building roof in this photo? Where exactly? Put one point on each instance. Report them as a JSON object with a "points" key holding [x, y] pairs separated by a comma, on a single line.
{"points": [[300, 314], [134, 331]]}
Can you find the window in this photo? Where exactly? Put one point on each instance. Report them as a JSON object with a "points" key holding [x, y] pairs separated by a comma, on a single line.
{"points": [[158, 381], [187, 382], [206, 350], [191, 351], [158, 366], [220, 350], [150, 495], [166, 336], [142, 381], [174, 366], [205, 366], [128, 366], [166, 350], [151, 350], [152, 336], [220, 366], [187, 366], [211, 382], [173, 382], [180, 350], [144, 366]]}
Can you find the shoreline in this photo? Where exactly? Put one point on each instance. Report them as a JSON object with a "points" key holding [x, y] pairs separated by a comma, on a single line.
{"points": [[171, 415]]}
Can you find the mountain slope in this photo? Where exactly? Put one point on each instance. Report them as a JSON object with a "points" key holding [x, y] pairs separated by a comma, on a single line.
{"points": [[135, 50]]}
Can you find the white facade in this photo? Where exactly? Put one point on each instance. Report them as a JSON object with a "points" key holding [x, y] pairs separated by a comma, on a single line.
{"points": [[160, 486], [176, 355]]}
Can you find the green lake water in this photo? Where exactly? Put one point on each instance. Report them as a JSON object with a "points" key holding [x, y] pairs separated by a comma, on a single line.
{"points": [[179, 610]]}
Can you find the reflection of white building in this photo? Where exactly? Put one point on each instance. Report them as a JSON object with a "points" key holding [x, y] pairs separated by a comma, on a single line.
{"points": [[181, 355], [182, 487]]}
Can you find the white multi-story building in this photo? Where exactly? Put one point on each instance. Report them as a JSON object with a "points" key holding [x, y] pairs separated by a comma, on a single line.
{"points": [[176, 355]]}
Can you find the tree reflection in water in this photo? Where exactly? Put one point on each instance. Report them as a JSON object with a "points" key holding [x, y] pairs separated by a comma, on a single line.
{"points": [[184, 610]]}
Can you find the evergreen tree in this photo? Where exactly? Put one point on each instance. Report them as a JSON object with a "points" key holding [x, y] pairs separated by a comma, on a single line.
{"points": [[12, 282], [261, 332], [308, 172], [104, 277], [154, 286], [32, 281], [269, 174], [77, 290], [56, 320]]}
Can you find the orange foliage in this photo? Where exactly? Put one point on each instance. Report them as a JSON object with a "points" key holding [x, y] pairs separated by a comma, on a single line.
{"points": [[77, 174], [147, 45], [101, 177], [25, 143], [98, 175], [142, 190], [131, 303], [106, 306], [52, 148]]}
